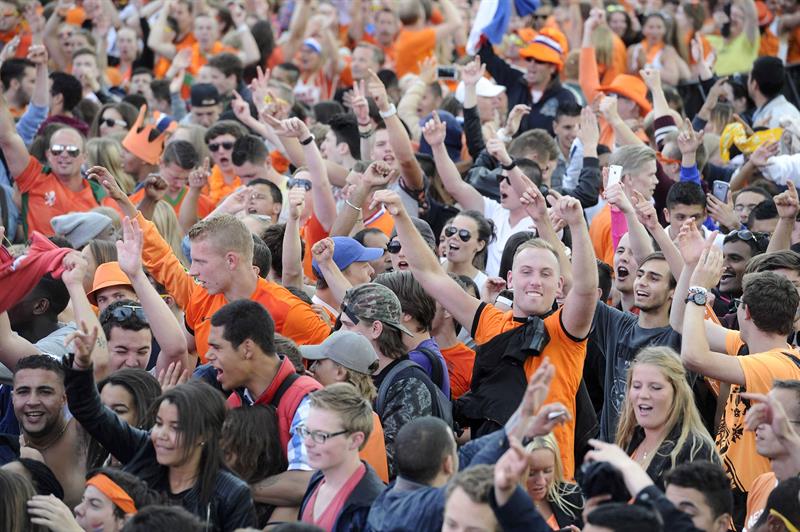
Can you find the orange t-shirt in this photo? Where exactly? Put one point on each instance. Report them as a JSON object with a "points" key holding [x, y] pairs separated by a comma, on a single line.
{"points": [[217, 189], [770, 44], [411, 47], [374, 452], [381, 220], [311, 233], [293, 318], [163, 64], [600, 233], [460, 360], [757, 499], [45, 196], [737, 446], [564, 351], [793, 54], [204, 204]]}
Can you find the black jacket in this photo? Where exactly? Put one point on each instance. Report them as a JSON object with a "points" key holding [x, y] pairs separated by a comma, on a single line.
{"points": [[542, 112], [353, 515], [230, 506]]}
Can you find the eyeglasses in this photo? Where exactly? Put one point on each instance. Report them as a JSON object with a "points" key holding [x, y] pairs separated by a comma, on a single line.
{"points": [[504, 177], [72, 150], [463, 234], [215, 146], [540, 16], [110, 122], [394, 247], [737, 302], [317, 436], [123, 313]]}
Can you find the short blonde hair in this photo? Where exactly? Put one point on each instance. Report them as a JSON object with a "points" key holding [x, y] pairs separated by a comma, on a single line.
{"points": [[632, 157], [227, 232], [353, 410], [536, 243]]}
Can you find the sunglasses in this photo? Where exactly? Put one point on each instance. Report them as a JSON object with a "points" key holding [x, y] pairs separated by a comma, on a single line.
{"points": [[215, 146], [110, 122], [298, 182], [503, 177], [394, 247], [58, 149], [124, 313], [747, 235], [463, 234]]}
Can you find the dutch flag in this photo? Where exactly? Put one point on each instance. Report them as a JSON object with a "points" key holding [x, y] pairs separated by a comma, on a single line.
{"points": [[492, 20]]}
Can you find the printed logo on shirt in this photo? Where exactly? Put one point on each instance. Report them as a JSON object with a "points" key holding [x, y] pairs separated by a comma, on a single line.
{"points": [[50, 198]]}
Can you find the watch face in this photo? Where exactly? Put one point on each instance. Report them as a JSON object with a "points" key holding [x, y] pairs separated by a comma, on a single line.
{"points": [[699, 298]]}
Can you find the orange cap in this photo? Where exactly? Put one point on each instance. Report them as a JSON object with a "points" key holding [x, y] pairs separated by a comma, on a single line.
{"points": [[631, 87], [138, 142], [107, 274]]}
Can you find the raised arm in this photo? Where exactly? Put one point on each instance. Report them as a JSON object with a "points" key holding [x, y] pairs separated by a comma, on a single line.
{"points": [[249, 53], [291, 260], [425, 266], [160, 38], [576, 315], [652, 78], [337, 282], [165, 328], [198, 178], [54, 48], [13, 347], [11, 144], [453, 22], [464, 193], [788, 207], [588, 75], [624, 134], [410, 171], [376, 177], [647, 216], [641, 244]]}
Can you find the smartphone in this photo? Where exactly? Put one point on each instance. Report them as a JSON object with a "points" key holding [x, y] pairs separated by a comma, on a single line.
{"points": [[614, 175], [297, 182], [446, 72], [720, 190]]}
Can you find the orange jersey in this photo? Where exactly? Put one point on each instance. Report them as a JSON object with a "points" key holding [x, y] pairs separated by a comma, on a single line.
{"points": [[460, 360], [293, 318], [162, 65], [600, 233], [564, 351], [411, 47]]}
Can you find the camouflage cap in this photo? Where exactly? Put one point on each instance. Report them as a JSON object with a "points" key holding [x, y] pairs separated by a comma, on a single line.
{"points": [[373, 301]]}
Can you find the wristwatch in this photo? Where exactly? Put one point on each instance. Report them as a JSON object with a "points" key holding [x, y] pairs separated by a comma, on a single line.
{"points": [[311, 138], [391, 112], [697, 295]]}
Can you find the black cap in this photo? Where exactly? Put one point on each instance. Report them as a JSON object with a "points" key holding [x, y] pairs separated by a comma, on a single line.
{"points": [[204, 94]]}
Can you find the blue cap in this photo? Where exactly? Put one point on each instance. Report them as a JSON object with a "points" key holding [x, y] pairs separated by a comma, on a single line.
{"points": [[452, 137], [348, 250]]}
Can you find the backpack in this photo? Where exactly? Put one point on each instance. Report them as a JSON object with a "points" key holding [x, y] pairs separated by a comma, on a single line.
{"points": [[441, 405], [437, 373]]}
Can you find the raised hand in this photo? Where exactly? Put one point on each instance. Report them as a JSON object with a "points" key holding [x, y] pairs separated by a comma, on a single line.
{"points": [[787, 203], [176, 83], [690, 242], [323, 250], [608, 107], [763, 153], [37, 54], [508, 471], [651, 77], [36, 21], [497, 149], [722, 212], [129, 249], [688, 139], [241, 108], [492, 288], [428, 70], [472, 72], [569, 209], [515, 117], [589, 132], [378, 175], [291, 128], [535, 204], [198, 178], [434, 130], [84, 342], [236, 201], [645, 212], [75, 268], [709, 268], [359, 104], [297, 201], [377, 90], [155, 187], [259, 88], [615, 196], [173, 376], [104, 177], [50, 512], [390, 200]]}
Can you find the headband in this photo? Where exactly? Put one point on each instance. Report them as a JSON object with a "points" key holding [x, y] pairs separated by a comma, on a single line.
{"points": [[111, 489]]}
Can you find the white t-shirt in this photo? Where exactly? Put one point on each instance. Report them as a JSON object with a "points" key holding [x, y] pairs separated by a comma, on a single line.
{"points": [[500, 216]]}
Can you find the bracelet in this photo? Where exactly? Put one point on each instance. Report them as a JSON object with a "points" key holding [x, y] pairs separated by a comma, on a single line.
{"points": [[366, 134], [347, 202], [508, 167], [391, 112], [307, 141]]}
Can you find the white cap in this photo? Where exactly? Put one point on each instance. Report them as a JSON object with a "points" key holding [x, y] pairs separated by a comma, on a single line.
{"points": [[486, 88]]}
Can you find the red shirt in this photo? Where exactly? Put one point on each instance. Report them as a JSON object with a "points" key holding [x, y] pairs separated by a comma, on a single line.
{"points": [[327, 519]]}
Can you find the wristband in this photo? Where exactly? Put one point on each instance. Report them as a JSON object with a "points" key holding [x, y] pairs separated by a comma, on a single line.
{"points": [[391, 112], [509, 166], [503, 301], [347, 202], [307, 141]]}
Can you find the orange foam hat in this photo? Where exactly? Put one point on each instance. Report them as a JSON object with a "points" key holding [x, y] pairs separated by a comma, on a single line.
{"points": [[145, 141]]}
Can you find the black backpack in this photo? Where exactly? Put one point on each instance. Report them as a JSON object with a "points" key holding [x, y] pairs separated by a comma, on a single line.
{"points": [[442, 407], [437, 371]]}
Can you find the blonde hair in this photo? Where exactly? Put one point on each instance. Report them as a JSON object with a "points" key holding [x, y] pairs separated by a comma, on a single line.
{"points": [[537, 243], [167, 224], [354, 411], [363, 383], [683, 410], [632, 157], [558, 488], [107, 152], [227, 232], [603, 45]]}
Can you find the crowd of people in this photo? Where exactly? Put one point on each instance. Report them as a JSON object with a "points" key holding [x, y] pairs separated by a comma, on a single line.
{"points": [[399, 265]]}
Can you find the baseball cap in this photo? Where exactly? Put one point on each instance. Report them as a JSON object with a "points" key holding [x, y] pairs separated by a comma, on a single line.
{"points": [[424, 229], [375, 302], [348, 250], [107, 274], [452, 138], [485, 88], [204, 94], [313, 44], [346, 348]]}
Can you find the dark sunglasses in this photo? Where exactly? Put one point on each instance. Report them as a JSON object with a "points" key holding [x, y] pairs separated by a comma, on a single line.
{"points": [[745, 235], [298, 182], [539, 16], [124, 313], [215, 146], [463, 234], [58, 149], [394, 247], [503, 177], [110, 122]]}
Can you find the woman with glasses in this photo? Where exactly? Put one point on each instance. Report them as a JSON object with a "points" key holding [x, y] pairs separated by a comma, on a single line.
{"points": [[180, 457], [342, 490], [113, 118], [660, 426], [465, 239]]}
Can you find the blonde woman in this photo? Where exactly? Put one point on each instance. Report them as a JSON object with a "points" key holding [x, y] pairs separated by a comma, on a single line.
{"points": [[167, 224], [107, 152], [660, 426], [559, 502]]}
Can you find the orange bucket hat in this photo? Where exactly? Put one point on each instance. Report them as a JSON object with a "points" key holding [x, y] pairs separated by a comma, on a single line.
{"points": [[544, 49], [107, 274], [631, 87]]}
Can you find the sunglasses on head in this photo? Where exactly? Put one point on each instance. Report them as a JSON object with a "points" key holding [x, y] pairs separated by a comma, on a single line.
{"points": [[58, 149], [299, 182], [746, 235], [215, 146], [125, 312], [463, 234], [110, 122], [394, 247]]}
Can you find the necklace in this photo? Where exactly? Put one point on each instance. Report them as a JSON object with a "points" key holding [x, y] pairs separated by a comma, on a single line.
{"points": [[55, 440]]}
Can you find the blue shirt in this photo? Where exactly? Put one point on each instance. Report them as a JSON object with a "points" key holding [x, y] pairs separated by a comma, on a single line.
{"points": [[419, 357]]}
